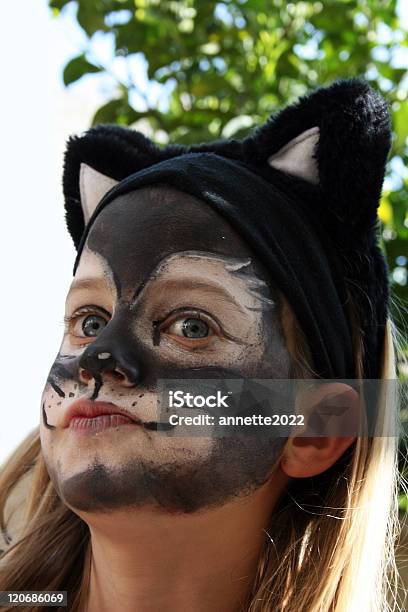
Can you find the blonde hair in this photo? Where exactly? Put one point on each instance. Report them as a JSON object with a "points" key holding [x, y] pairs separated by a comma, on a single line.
{"points": [[329, 545], [331, 541]]}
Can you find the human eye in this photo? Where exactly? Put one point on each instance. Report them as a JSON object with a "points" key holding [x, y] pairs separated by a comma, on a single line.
{"points": [[86, 323], [190, 328]]}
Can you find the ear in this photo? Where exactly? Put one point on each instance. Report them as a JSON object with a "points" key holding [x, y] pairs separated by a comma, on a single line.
{"points": [[298, 157], [92, 185], [338, 138], [331, 414], [94, 162]]}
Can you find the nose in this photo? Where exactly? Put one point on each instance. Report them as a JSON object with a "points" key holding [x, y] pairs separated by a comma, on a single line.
{"points": [[106, 364]]}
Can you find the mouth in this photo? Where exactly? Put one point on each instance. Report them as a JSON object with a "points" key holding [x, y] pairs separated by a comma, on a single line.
{"points": [[86, 416]]}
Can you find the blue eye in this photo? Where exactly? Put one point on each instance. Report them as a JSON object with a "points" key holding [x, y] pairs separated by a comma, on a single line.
{"points": [[194, 328], [190, 327], [92, 325]]}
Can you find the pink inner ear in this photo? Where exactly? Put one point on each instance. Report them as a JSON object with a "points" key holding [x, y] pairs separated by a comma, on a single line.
{"points": [[93, 185], [297, 157]]}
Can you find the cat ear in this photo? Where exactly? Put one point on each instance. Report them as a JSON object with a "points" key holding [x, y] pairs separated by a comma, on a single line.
{"points": [[92, 186], [298, 156], [96, 161], [336, 139]]}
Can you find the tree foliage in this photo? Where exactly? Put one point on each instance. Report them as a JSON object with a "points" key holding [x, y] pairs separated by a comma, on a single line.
{"points": [[227, 65]]}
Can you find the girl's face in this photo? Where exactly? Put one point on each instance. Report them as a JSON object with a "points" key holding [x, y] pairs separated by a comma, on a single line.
{"points": [[164, 289]]}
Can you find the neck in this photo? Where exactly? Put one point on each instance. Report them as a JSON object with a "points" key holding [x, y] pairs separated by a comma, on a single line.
{"points": [[148, 559]]}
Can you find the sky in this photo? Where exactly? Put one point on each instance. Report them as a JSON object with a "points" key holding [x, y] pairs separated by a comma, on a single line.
{"points": [[36, 253]]}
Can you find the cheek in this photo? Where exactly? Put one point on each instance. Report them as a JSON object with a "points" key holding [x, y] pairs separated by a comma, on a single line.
{"points": [[46, 443], [276, 360], [58, 396], [53, 406], [61, 388], [223, 357]]}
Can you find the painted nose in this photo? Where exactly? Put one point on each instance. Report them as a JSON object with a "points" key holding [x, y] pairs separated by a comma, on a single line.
{"points": [[103, 364]]}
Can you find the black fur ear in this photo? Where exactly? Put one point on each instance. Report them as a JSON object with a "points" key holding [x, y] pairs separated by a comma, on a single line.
{"points": [[348, 129], [113, 151], [335, 140]]}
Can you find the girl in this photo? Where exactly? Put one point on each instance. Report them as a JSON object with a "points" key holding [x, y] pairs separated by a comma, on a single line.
{"points": [[250, 260]]}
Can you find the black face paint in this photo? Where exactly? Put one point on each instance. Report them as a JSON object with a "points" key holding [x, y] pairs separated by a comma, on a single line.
{"points": [[235, 469], [44, 418], [56, 387], [165, 221], [156, 333], [134, 234]]}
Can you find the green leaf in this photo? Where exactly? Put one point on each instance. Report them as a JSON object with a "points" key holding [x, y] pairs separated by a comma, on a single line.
{"points": [[58, 4], [117, 111], [77, 68], [400, 118], [91, 16], [403, 502]]}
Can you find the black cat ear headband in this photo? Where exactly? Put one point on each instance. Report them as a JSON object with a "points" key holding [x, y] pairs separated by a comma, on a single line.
{"points": [[303, 191]]}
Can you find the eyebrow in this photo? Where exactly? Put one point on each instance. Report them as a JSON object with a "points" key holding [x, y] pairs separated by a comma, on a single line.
{"points": [[87, 283], [193, 283]]}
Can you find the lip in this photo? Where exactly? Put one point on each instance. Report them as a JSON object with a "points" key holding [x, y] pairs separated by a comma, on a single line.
{"points": [[86, 410]]}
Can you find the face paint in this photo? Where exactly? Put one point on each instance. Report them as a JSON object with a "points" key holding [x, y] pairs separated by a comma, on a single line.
{"points": [[164, 289]]}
